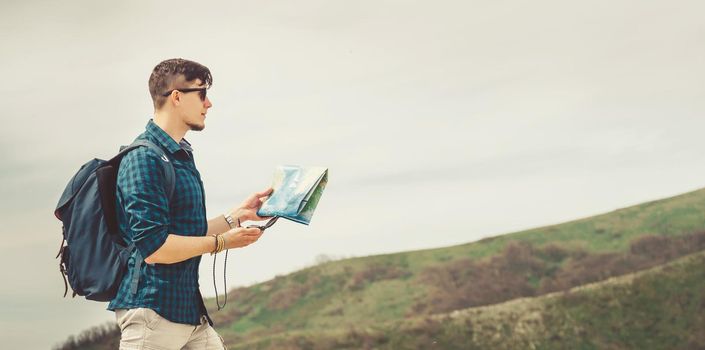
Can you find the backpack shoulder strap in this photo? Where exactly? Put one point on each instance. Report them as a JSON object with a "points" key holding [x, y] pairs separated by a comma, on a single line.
{"points": [[168, 167], [170, 185]]}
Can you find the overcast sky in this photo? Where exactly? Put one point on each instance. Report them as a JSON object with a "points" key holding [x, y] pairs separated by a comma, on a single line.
{"points": [[441, 122]]}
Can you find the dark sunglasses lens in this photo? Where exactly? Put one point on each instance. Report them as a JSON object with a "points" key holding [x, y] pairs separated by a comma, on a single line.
{"points": [[202, 93]]}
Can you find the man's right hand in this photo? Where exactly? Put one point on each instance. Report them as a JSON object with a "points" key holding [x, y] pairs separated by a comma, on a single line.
{"points": [[241, 237]]}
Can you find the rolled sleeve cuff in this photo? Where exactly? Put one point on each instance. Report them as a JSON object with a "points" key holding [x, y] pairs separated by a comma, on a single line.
{"points": [[150, 242]]}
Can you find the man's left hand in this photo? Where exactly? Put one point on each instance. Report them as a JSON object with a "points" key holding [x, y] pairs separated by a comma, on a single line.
{"points": [[247, 211]]}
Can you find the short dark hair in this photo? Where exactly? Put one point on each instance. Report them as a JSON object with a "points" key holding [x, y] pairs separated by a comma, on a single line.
{"points": [[166, 74]]}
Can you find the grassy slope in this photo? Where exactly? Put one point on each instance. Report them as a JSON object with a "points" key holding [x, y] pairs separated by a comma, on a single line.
{"points": [[660, 308], [333, 303], [369, 291]]}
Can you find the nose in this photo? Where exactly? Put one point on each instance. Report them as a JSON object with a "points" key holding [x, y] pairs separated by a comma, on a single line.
{"points": [[207, 102]]}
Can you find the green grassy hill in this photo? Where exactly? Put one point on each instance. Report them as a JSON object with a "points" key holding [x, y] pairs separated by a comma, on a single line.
{"points": [[388, 300], [658, 308]]}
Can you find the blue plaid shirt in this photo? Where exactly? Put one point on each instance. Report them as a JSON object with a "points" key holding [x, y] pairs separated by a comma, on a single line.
{"points": [[146, 216]]}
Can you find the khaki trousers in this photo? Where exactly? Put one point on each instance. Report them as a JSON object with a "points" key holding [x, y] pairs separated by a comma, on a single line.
{"points": [[143, 328]]}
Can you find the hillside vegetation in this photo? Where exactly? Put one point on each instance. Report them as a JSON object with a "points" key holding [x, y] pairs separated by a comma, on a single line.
{"points": [[659, 308], [394, 300]]}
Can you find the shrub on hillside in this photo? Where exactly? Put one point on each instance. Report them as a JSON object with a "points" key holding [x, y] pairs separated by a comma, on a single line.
{"points": [[106, 336], [466, 283], [523, 270], [376, 272], [288, 296]]}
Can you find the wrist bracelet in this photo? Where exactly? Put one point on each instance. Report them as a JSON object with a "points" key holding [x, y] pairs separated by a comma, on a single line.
{"points": [[221, 245], [215, 249]]}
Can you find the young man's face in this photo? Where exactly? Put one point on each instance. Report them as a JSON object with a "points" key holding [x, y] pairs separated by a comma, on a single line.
{"points": [[193, 108]]}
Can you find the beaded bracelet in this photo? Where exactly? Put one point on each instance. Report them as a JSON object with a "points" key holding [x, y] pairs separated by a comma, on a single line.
{"points": [[215, 249], [221, 244]]}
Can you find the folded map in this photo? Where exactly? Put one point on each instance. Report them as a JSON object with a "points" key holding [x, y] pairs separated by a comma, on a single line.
{"points": [[296, 192]]}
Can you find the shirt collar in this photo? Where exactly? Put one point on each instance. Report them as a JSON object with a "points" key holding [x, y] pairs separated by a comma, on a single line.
{"points": [[165, 140], [185, 145]]}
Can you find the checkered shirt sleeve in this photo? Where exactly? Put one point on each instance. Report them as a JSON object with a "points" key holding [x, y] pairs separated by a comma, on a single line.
{"points": [[141, 185]]}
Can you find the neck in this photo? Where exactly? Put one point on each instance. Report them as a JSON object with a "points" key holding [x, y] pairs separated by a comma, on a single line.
{"points": [[171, 125]]}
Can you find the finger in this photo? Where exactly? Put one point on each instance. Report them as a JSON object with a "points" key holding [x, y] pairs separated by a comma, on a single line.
{"points": [[252, 231], [244, 231], [253, 197], [249, 231], [265, 192], [256, 195], [261, 218]]}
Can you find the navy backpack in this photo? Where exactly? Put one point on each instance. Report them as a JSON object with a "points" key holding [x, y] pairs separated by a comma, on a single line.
{"points": [[95, 255]]}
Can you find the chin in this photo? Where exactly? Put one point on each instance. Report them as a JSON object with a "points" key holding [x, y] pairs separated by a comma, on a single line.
{"points": [[196, 127]]}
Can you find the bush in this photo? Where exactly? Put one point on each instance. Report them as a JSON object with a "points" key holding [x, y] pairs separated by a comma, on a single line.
{"points": [[106, 336], [376, 272], [522, 270]]}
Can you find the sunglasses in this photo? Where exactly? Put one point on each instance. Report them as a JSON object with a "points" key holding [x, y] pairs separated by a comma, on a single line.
{"points": [[267, 225], [201, 92]]}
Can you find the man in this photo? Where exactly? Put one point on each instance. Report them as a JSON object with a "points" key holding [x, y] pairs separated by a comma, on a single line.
{"points": [[166, 310]]}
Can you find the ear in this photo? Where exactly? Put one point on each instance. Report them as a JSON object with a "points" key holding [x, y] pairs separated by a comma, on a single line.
{"points": [[175, 98]]}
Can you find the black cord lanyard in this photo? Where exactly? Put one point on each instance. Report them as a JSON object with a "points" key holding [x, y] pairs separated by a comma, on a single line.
{"points": [[225, 265]]}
